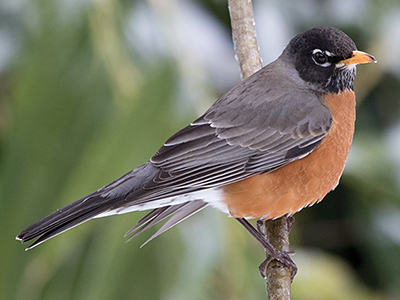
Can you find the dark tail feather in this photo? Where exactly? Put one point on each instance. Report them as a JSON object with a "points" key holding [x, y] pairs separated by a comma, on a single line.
{"points": [[107, 198], [72, 215], [152, 218], [178, 213]]}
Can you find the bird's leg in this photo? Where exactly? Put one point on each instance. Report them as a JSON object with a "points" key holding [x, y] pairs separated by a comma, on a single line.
{"points": [[282, 256], [262, 229], [290, 223], [272, 253]]}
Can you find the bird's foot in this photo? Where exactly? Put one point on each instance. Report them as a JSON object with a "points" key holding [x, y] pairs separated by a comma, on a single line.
{"points": [[274, 254], [281, 256]]}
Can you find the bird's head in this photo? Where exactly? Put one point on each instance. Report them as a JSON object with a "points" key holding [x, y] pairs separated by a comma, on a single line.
{"points": [[326, 58]]}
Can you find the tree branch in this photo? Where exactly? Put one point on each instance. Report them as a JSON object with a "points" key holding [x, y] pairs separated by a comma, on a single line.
{"points": [[244, 37], [278, 275]]}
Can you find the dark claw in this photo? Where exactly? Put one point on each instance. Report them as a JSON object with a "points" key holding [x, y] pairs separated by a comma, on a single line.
{"points": [[284, 258], [263, 266], [260, 225], [272, 253], [290, 223], [288, 262]]}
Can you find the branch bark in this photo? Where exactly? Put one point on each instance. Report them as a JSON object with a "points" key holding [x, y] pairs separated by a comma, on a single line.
{"points": [[278, 275], [244, 36], [278, 279]]}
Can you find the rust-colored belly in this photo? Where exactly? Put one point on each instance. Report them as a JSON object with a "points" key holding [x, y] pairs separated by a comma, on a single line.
{"points": [[304, 181]]}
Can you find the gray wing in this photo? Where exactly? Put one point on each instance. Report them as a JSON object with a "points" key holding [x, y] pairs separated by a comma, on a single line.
{"points": [[247, 131], [252, 129]]}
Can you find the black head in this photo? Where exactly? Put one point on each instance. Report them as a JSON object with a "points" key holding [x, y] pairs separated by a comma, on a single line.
{"points": [[326, 58]]}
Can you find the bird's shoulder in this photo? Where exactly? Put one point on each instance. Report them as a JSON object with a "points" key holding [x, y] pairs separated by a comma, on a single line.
{"points": [[269, 111], [270, 99]]}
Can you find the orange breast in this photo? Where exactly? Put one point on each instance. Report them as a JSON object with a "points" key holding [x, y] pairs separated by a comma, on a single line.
{"points": [[304, 181]]}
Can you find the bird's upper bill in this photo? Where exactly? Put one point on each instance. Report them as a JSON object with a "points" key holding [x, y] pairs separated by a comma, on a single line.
{"points": [[358, 57]]}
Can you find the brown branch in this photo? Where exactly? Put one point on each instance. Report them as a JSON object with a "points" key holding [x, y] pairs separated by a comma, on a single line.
{"points": [[244, 38], [278, 275]]}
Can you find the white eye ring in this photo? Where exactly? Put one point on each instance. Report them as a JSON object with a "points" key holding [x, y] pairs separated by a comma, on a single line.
{"points": [[325, 54]]}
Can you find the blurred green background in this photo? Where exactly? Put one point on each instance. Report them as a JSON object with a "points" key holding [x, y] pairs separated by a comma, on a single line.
{"points": [[91, 89]]}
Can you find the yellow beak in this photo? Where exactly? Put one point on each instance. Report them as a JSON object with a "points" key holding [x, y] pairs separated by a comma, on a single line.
{"points": [[358, 57]]}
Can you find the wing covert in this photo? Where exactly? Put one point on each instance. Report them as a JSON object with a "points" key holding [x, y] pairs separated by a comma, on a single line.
{"points": [[247, 131]]}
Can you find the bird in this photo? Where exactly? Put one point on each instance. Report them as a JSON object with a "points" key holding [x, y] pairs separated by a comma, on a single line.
{"points": [[273, 144]]}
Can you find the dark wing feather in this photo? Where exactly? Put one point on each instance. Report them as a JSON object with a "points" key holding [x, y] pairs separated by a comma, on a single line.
{"points": [[250, 130], [177, 214]]}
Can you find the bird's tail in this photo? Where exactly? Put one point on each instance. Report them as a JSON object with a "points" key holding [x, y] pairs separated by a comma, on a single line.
{"points": [[109, 199], [61, 220]]}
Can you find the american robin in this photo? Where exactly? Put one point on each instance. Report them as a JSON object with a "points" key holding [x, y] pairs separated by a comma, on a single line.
{"points": [[273, 144]]}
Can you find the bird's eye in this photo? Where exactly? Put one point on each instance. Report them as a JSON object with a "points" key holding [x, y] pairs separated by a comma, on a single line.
{"points": [[320, 57]]}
